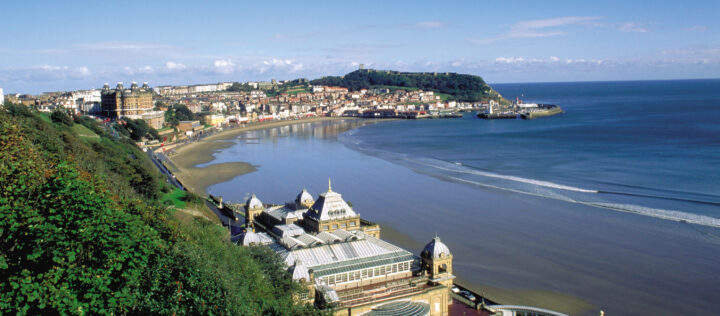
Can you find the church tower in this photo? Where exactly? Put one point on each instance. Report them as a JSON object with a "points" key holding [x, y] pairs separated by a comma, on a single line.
{"points": [[253, 208], [437, 263]]}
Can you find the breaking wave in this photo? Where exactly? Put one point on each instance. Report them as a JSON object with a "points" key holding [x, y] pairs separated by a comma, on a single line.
{"points": [[458, 172]]}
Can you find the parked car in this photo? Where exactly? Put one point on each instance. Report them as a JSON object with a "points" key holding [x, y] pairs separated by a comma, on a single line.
{"points": [[455, 289], [467, 295]]}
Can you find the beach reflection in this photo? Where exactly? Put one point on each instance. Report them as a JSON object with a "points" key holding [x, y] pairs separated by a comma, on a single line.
{"points": [[518, 249]]}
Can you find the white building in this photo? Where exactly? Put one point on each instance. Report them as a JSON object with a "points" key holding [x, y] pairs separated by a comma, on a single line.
{"points": [[86, 96], [2, 97]]}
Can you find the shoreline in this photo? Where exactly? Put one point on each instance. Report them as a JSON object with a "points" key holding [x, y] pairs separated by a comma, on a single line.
{"points": [[198, 179]]}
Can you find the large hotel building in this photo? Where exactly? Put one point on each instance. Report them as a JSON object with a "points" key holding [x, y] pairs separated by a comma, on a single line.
{"points": [[134, 103], [341, 260]]}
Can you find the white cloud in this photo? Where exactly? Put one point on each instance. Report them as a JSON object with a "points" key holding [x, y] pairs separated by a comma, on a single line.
{"points": [[429, 25], [539, 28], [545, 23], [146, 70], [509, 60], [224, 66], [174, 66], [83, 71], [554, 58], [632, 27], [692, 55]]}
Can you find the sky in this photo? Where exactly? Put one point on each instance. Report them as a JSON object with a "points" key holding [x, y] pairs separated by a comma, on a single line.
{"points": [[70, 45]]}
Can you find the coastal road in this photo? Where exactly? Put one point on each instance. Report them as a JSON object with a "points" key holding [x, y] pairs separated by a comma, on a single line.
{"points": [[169, 175], [235, 225]]}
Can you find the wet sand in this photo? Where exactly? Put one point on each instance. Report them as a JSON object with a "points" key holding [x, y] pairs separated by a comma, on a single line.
{"points": [[198, 179], [568, 304], [515, 249]]}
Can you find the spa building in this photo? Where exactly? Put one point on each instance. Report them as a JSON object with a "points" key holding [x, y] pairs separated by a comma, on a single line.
{"points": [[343, 263]]}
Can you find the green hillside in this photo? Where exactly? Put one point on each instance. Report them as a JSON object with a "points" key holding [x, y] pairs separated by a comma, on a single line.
{"points": [[458, 86], [83, 230]]}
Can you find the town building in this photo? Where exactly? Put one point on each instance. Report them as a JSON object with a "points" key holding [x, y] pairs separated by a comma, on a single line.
{"points": [[189, 127], [216, 119], [155, 119], [342, 262], [121, 102]]}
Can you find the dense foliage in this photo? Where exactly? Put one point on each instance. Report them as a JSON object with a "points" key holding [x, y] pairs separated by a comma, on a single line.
{"points": [[137, 129], [240, 87], [460, 87], [82, 231], [179, 112]]}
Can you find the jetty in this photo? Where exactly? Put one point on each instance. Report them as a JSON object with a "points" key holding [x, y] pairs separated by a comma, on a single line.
{"points": [[407, 115], [521, 110]]}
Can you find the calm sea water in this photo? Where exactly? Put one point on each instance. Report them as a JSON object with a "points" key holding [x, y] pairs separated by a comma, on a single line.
{"points": [[531, 205], [647, 147]]}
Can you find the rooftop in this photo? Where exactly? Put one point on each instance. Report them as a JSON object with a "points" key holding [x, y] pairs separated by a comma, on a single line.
{"points": [[339, 251]]}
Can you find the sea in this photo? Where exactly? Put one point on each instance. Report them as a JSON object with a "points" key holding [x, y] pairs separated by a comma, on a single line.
{"points": [[613, 205], [646, 147]]}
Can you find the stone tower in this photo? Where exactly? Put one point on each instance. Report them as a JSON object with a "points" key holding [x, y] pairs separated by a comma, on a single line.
{"points": [[253, 208], [437, 263]]}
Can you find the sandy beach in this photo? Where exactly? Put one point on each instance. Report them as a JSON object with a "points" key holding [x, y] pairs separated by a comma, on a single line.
{"points": [[198, 179], [188, 157], [515, 249]]}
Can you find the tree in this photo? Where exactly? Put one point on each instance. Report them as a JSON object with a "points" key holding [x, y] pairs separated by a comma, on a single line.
{"points": [[159, 104], [61, 117], [178, 112], [82, 231], [137, 128]]}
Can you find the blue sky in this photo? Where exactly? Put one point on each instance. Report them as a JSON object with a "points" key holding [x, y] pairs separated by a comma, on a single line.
{"points": [[64, 45]]}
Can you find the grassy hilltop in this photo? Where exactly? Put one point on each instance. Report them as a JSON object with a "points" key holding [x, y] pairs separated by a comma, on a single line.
{"points": [[83, 230], [458, 86]]}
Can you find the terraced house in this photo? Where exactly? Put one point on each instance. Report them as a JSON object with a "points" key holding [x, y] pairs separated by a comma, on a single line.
{"points": [[341, 260]]}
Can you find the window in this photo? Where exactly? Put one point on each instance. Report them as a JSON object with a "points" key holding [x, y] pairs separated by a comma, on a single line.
{"points": [[325, 227], [342, 225], [394, 268], [334, 226], [352, 224], [382, 270], [352, 276], [364, 273]]}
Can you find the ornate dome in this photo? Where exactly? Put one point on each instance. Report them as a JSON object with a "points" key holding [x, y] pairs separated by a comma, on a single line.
{"points": [[253, 203], [300, 271], [250, 238], [435, 249], [304, 198]]}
